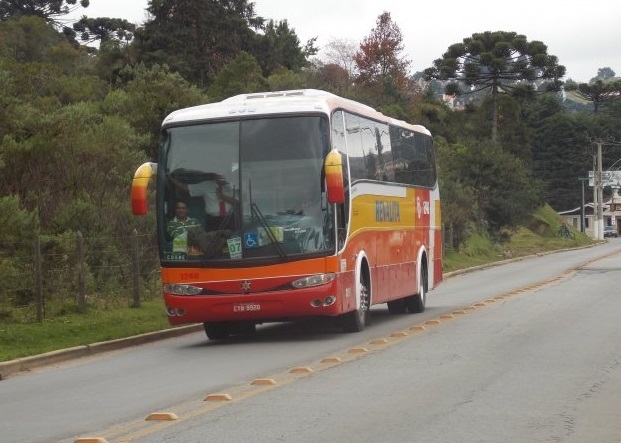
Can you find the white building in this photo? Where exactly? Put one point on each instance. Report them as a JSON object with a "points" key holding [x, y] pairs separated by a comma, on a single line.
{"points": [[611, 213]]}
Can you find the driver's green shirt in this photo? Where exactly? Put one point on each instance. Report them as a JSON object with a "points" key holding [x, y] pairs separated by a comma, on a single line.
{"points": [[178, 230]]}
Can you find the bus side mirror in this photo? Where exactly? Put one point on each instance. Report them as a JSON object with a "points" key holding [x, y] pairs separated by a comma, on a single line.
{"points": [[140, 183], [334, 177]]}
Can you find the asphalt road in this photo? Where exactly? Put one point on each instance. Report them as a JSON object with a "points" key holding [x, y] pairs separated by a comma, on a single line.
{"points": [[523, 352]]}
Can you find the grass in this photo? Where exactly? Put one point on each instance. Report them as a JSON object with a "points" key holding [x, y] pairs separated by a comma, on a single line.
{"points": [[72, 329], [536, 236], [21, 339]]}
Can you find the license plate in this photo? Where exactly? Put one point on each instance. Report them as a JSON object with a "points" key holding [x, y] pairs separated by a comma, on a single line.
{"points": [[246, 307]]}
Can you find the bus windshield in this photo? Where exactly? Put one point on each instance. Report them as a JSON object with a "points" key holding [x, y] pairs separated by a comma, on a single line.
{"points": [[244, 191]]}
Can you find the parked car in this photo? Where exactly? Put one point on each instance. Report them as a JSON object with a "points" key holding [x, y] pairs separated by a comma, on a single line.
{"points": [[610, 231]]}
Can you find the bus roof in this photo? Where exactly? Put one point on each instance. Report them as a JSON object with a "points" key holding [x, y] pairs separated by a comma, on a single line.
{"points": [[281, 102]]}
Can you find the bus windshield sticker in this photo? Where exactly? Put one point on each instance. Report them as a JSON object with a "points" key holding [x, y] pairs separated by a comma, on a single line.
{"points": [[235, 247], [251, 240]]}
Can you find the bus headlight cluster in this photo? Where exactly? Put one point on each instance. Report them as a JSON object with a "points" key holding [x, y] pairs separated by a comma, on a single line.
{"points": [[313, 280], [178, 289]]}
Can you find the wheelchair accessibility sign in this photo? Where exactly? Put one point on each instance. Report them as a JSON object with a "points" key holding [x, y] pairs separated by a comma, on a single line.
{"points": [[251, 240]]}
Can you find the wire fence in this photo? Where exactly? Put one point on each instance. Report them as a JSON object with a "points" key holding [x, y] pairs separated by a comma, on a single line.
{"points": [[52, 276]]}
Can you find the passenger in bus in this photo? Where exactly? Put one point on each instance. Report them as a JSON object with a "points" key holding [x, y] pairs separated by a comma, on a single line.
{"points": [[179, 226]]}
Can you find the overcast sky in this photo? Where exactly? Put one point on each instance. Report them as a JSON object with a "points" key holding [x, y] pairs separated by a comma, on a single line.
{"points": [[584, 35]]}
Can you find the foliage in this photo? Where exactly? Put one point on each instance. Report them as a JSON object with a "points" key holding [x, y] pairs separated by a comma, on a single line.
{"points": [[113, 62], [536, 236], [49, 10], [460, 214], [330, 77], [283, 79], [495, 62], [504, 190], [597, 92], [342, 53], [279, 47], [378, 61], [103, 29], [150, 95], [196, 38], [603, 74], [20, 228], [560, 157], [242, 75]]}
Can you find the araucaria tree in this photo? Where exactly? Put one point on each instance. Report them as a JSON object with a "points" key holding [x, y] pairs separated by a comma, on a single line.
{"points": [[495, 62], [46, 9], [597, 92]]}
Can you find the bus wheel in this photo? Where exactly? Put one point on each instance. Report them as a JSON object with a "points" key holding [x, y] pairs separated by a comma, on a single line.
{"points": [[416, 303], [355, 321], [217, 330], [244, 328], [397, 306]]}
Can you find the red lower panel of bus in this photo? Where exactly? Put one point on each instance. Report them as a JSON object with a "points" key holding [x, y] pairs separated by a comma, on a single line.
{"points": [[267, 306]]}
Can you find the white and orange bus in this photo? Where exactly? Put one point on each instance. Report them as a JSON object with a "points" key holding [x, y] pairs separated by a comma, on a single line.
{"points": [[302, 204]]}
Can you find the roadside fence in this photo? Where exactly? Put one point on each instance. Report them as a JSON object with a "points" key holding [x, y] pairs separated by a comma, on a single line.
{"points": [[52, 276]]}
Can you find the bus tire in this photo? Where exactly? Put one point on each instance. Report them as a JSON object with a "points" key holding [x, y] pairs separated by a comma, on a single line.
{"points": [[217, 330], [397, 306], [244, 328], [415, 304], [356, 320]]}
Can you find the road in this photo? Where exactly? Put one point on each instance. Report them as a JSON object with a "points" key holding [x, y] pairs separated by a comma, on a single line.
{"points": [[524, 352]]}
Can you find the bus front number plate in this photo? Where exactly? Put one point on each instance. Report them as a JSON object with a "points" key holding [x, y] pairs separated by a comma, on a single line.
{"points": [[246, 307]]}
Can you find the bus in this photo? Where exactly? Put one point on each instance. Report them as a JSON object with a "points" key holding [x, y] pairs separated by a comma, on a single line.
{"points": [[288, 205]]}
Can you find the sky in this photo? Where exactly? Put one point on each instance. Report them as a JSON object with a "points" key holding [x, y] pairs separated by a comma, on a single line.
{"points": [[584, 35]]}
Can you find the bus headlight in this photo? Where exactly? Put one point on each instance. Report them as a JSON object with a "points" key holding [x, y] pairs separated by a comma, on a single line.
{"points": [[178, 289], [313, 280]]}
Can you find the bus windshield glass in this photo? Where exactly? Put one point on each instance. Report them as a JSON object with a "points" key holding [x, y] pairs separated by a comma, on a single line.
{"points": [[249, 190]]}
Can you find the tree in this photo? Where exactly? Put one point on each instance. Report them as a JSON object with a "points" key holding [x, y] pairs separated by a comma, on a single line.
{"points": [[49, 10], [279, 46], [197, 38], [378, 60], [342, 53], [241, 75], [284, 79], [560, 158], [597, 92], [505, 191], [28, 39], [112, 57], [148, 97], [459, 211], [603, 74], [104, 29], [495, 62]]}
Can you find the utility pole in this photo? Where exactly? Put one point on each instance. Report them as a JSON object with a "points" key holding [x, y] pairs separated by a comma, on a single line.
{"points": [[599, 221], [582, 180]]}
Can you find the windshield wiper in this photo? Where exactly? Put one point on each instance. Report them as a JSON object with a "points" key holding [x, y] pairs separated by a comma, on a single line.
{"points": [[255, 210]]}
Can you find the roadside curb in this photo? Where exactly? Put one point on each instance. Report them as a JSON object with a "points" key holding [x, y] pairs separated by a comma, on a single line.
{"points": [[25, 364]]}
